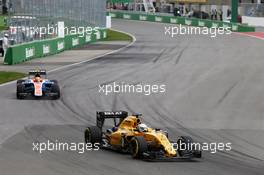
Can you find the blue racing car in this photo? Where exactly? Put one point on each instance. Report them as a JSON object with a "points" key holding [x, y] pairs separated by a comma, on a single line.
{"points": [[37, 85]]}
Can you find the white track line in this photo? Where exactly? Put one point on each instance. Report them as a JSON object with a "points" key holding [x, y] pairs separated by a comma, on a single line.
{"points": [[86, 61]]}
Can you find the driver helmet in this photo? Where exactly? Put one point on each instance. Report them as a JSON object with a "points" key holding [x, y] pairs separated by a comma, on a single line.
{"points": [[37, 78], [142, 127], [114, 129], [37, 75]]}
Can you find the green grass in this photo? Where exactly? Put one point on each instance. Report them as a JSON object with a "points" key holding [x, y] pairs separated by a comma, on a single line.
{"points": [[2, 20], [117, 36], [2, 23], [3, 28], [10, 76]]}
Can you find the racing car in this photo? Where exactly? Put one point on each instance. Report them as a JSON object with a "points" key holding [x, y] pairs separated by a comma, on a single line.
{"points": [[129, 135], [37, 85]]}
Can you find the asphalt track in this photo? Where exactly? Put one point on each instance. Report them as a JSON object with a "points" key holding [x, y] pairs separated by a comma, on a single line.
{"points": [[214, 93]]}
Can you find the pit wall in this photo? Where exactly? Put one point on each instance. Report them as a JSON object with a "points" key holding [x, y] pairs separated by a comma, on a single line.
{"points": [[24, 52], [235, 27]]}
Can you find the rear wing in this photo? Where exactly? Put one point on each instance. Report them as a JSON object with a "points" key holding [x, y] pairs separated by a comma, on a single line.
{"points": [[101, 116], [40, 72]]}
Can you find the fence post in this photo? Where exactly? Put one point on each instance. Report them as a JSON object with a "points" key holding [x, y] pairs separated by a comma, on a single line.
{"points": [[234, 10]]}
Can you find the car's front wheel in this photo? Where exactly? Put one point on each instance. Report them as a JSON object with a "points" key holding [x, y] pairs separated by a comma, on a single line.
{"points": [[186, 148], [138, 146], [56, 89], [20, 89]]}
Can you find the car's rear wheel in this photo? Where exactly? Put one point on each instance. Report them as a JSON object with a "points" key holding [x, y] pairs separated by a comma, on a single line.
{"points": [[93, 135], [138, 146]]}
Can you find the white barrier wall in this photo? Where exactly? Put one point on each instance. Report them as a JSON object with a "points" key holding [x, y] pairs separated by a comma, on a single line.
{"points": [[254, 21], [108, 22]]}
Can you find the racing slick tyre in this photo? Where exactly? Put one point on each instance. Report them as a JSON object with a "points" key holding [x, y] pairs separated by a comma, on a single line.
{"points": [[138, 146], [185, 149], [20, 89], [183, 146], [54, 81], [20, 81], [93, 135], [56, 89]]}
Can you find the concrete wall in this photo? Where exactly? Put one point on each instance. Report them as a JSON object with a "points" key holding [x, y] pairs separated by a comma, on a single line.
{"points": [[254, 21]]}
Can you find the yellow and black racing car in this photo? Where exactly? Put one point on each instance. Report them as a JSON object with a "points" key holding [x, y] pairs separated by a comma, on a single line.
{"points": [[129, 135]]}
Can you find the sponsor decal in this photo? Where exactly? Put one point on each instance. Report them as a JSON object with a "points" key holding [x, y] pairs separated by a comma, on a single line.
{"points": [[173, 20], [75, 41], [46, 49], [113, 113], [88, 38], [214, 25], [60, 45], [142, 17], [98, 36], [113, 15], [225, 26], [188, 22], [125, 16], [158, 19], [201, 23], [234, 27], [30, 52]]}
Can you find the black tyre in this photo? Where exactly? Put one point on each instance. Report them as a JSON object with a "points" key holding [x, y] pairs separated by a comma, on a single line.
{"points": [[20, 89], [56, 89], [54, 81], [93, 135], [138, 146], [20, 81], [184, 146]]}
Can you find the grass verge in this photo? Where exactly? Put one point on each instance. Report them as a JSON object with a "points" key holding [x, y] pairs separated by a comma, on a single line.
{"points": [[117, 36], [10, 76], [2, 23], [111, 36]]}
